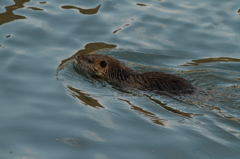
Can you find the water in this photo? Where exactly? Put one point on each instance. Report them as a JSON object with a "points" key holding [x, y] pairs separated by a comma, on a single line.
{"points": [[49, 110]]}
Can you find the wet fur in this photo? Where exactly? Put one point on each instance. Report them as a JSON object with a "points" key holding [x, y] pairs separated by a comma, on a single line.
{"points": [[112, 70]]}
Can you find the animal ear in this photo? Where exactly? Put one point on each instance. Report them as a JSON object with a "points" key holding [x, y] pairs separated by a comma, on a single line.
{"points": [[103, 64]]}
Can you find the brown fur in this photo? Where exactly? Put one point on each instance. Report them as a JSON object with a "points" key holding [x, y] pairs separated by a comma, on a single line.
{"points": [[112, 70]]}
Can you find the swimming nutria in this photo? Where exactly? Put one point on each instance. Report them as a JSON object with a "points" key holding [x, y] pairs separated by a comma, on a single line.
{"points": [[112, 70]]}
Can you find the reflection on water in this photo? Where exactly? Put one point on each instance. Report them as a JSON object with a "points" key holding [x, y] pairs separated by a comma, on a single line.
{"points": [[42, 2], [120, 28], [208, 60], [83, 11], [140, 4], [35, 8], [89, 48], [151, 116], [213, 103], [189, 115], [9, 16], [77, 115], [85, 98]]}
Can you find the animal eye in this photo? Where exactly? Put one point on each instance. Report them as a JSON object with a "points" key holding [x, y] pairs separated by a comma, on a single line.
{"points": [[89, 61], [103, 64]]}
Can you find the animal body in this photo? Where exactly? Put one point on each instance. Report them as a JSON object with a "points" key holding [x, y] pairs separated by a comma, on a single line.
{"points": [[110, 69]]}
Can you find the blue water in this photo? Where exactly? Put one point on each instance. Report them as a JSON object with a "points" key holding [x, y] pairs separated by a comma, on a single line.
{"points": [[50, 110]]}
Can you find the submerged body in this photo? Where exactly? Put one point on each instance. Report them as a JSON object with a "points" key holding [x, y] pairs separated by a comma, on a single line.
{"points": [[112, 70]]}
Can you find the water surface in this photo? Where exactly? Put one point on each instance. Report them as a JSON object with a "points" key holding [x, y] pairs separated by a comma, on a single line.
{"points": [[50, 110]]}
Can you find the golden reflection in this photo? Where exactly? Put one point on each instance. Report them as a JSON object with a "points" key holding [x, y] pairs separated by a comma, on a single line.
{"points": [[208, 60], [212, 70], [140, 4], [35, 8], [42, 2], [151, 116], [89, 48], [232, 118], [83, 11], [120, 28], [84, 98], [9, 16], [189, 115], [202, 70]]}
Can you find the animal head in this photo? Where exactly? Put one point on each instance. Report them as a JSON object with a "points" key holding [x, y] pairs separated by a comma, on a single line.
{"points": [[98, 64]]}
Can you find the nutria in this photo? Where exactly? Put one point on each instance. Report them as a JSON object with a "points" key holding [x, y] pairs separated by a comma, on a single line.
{"points": [[112, 70]]}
